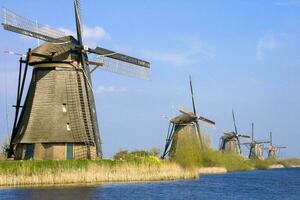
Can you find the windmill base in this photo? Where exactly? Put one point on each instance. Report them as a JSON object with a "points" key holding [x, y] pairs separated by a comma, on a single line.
{"points": [[54, 151]]}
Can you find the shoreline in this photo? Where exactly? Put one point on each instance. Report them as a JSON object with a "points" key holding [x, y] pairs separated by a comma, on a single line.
{"points": [[201, 171], [98, 172]]}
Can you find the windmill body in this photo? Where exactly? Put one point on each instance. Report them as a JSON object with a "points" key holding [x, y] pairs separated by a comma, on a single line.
{"points": [[256, 147], [58, 117], [184, 135], [256, 151], [230, 141], [273, 150], [56, 120]]}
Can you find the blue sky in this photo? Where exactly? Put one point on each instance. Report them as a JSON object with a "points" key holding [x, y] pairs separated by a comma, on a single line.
{"points": [[241, 54]]}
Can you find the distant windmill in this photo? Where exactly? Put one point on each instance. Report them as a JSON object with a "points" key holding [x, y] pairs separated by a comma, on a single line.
{"points": [[184, 130], [58, 118], [273, 150], [230, 141], [256, 147]]}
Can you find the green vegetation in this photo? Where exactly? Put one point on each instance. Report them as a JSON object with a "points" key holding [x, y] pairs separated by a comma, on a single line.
{"points": [[230, 161], [137, 157], [33, 172], [291, 162]]}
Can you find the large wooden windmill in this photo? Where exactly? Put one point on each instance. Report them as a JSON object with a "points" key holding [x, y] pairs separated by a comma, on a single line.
{"points": [[273, 150], [57, 119], [230, 141], [184, 131]]}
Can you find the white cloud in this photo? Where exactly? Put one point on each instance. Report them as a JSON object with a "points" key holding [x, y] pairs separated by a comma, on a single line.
{"points": [[91, 35], [265, 44], [108, 89], [95, 33], [172, 58], [188, 51]]}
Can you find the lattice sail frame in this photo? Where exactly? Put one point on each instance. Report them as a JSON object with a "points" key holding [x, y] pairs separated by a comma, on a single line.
{"points": [[123, 68], [18, 24]]}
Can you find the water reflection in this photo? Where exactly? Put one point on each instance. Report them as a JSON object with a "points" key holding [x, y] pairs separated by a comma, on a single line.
{"points": [[52, 193]]}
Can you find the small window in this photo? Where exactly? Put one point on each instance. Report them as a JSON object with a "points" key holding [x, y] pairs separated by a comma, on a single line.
{"points": [[68, 127], [64, 107]]}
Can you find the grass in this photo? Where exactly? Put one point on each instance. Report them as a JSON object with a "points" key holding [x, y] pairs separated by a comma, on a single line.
{"points": [[291, 162], [14, 173], [230, 161]]}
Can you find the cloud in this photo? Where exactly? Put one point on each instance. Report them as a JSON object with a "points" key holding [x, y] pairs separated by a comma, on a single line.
{"points": [[108, 89], [186, 52], [95, 33], [172, 58], [91, 35], [265, 44]]}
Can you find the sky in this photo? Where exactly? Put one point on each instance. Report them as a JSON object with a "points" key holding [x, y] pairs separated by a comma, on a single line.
{"points": [[242, 55]]}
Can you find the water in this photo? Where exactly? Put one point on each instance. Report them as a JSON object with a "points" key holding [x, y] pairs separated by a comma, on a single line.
{"points": [[269, 184]]}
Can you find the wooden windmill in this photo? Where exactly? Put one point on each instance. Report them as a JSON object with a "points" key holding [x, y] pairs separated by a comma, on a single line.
{"points": [[230, 141], [57, 119], [256, 147], [184, 131], [273, 150]]}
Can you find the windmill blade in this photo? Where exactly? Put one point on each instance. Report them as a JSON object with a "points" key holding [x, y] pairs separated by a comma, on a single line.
{"points": [[15, 23], [78, 22], [184, 111], [281, 147], [234, 123], [244, 136], [262, 142], [122, 67], [118, 56], [192, 93], [210, 122], [199, 135]]}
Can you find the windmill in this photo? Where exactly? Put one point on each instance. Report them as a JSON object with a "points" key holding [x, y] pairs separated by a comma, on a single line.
{"points": [[256, 147], [184, 130], [273, 150], [230, 141], [57, 119]]}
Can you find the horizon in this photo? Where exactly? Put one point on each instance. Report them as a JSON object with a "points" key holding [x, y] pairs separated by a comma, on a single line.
{"points": [[249, 67]]}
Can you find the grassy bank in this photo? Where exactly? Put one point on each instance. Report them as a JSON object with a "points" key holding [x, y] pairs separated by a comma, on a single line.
{"points": [[13, 173], [290, 162], [229, 161]]}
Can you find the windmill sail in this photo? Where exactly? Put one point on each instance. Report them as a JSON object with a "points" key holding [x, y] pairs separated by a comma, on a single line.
{"points": [[122, 67], [15, 23]]}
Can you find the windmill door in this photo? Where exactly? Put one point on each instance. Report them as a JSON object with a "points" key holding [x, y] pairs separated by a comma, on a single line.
{"points": [[70, 151], [29, 152]]}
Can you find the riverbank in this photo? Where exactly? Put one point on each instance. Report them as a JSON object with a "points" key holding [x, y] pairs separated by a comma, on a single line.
{"points": [[16, 173], [128, 167]]}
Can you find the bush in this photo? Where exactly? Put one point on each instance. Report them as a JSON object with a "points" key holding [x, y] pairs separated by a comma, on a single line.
{"points": [[263, 164], [230, 161], [137, 157], [4, 150], [290, 162]]}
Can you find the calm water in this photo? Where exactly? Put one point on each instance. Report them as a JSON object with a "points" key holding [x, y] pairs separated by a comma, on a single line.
{"points": [[270, 184]]}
